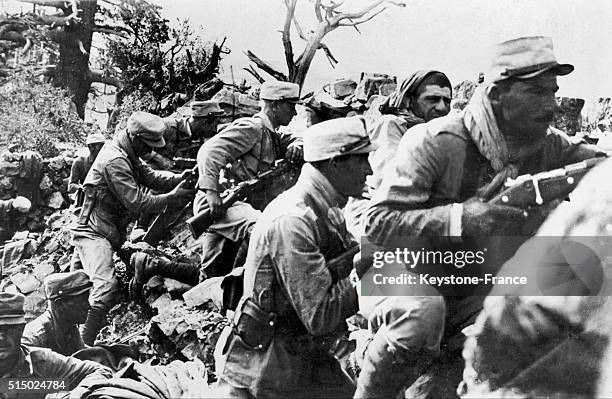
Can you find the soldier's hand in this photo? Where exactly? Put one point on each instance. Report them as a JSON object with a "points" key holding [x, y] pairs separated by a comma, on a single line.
{"points": [[21, 204], [182, 193], [483, 219], [295, 153], [187, 174], [215, 204]]}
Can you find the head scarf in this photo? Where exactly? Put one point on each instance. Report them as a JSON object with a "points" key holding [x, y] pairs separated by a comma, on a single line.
{"points": [[406, 89], [480, 120]]}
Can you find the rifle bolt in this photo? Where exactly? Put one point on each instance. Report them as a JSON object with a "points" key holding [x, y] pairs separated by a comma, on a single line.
{"points": [[570, 180]]}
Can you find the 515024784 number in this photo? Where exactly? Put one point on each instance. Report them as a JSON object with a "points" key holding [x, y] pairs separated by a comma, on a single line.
{"points": [[31, 385]]}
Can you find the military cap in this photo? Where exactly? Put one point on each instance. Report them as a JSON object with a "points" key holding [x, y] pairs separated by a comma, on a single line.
{"points": [[95, 138], [59, 285], [276, 90], [11, 308], [148, 127], [201, 109], [343, 136], [525, 58]]}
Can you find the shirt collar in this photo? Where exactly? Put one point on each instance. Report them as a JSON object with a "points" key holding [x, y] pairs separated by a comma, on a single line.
{"points": [[266, 121]]}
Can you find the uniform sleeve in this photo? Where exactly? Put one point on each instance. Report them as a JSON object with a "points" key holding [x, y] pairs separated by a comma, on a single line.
{"points": [[159, 179], [287, 139], [224, 148], [34, 335], [320, 304], [564, 150], [76, 177], [74, 372], [122, 184], [400, 206]]}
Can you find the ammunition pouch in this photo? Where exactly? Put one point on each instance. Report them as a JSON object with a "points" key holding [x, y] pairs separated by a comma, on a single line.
{"points": [[254, 325], [89, 203]]}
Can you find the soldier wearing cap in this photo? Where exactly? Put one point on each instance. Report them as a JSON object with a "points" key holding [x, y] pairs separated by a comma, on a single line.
{"points": [[57, 328], [448, 169], [251, 146], [292, 302], [7, 208], [181, 133], [116, 191], [19, 361], [82, 164]]}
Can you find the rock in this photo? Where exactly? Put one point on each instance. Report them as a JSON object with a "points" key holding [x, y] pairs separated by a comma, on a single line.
{"points": [[9, 168], [341, 88], [26, 282], [43, 270], [45, 183], [57, 163], [568, 115], [35, 304], [370, 84], [386, 89], [6, 183], [207, 290], [56, 200]]}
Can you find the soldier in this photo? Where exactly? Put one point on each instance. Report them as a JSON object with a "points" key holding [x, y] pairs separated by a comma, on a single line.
{"points": [[82, 164], [251, 145], [115, 193], [18, 361], [448, 169], [291, 301], [57, 328]]}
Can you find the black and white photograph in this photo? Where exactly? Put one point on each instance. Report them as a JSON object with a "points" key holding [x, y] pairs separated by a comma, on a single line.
{"points": [[315, 199]]}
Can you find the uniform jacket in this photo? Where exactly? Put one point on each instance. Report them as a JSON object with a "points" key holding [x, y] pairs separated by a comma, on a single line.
{"points": [[119, 180], [250, 144], [46, 364], [437, 164], [45, 332], [78, 172], [297, 234]]}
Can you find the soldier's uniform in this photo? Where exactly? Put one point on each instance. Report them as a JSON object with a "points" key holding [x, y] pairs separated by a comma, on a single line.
{"points": [[292, 302], [48, 330], [251, 145], [43, 363]]}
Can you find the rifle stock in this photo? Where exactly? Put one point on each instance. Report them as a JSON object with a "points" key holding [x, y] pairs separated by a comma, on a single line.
{"points": [[532, 190], [199, 223]]}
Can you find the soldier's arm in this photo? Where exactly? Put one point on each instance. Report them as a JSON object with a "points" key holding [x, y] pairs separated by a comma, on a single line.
{"points": [[320, 304], [287, 140], [75, 175], [564, 150], [224, 148], [76, 374], [136, 199], [400, 206]]}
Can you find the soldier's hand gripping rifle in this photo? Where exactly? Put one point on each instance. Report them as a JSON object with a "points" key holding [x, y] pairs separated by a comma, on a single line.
{"points": [[533, 190], [203, 220]]}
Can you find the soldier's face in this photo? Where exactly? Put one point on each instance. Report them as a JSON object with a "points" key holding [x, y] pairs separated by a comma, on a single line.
{"points": [[203, 127], [526, 108], [94, 149], [432, 102], [10, 338], [284, 112], [351, 173], [74, 309]]}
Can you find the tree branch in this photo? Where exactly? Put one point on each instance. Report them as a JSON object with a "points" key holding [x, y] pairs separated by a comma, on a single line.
{"points": [[330, 57], [290, 4], [96, 75], [61, 4], [253, 72], [317, 8], [355, 23], [113, 30], [360, 14], [264, 66]]}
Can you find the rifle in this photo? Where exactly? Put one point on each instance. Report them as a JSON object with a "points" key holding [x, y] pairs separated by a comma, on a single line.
{"points": [[184, 163], [532, 190], [203, 220], [166, 218]]}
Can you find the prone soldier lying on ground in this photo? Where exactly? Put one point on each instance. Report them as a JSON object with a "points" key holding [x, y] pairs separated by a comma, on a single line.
{"points": [[68, 304]]}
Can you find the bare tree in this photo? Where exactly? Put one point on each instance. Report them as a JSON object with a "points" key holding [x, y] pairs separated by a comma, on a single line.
{"points": [[329, 18]]}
